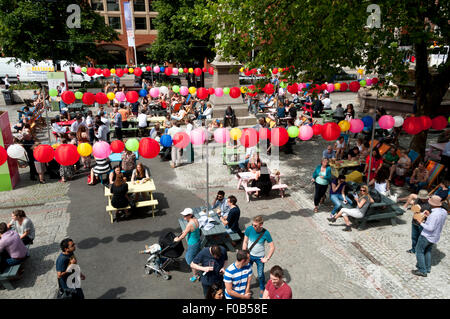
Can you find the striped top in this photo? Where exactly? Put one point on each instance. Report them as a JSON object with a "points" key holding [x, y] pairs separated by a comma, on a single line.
{"points": [[102, 166], [238, 277]]}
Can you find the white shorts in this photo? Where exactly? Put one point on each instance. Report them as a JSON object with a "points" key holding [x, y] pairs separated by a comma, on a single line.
{"points": [[353, 212]]}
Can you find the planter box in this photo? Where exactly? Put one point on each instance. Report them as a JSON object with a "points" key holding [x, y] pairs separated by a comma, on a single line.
{"points": [[9, 171]]}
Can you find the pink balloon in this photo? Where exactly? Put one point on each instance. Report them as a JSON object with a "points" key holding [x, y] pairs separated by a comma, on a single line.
{"points": [[369, 82], [101, 150], [77, 69], [221, 135], [198, 136], [356, 125], [156, 69], [154, 92], [219, 92], [184, 91], [330, 87], [301, 85], [120, 96], [174, 71], [305, 132], [386, 122]]}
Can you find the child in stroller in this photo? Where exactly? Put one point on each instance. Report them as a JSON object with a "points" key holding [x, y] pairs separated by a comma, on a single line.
{"points": [[162, 255]]}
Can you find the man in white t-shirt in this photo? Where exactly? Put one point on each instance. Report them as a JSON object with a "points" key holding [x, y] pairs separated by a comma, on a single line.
{"points": [[326, 102], [176, 152], [142, 122]]}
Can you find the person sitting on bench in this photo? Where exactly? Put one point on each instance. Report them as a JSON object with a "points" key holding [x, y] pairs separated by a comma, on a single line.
{"points": [[23, 226], [362, 205], [12, 249]]}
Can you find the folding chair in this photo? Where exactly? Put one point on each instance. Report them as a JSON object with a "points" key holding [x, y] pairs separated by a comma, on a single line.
{"points": [[413, 155], [383, 149], [434, 170]]}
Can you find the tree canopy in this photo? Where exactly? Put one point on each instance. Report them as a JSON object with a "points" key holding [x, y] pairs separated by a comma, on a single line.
{"points": [[37, 30], [179, 37]]}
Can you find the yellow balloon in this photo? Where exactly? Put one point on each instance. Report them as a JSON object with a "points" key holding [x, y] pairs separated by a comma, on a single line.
{"points": [[191, 70], [337, 86], [244, 89], [360, 71], [84, 149], [110, 96], [344, 125], [235, 133], [55, 146], [130, 70], [192, 90], [241, 70], [113, 71]]}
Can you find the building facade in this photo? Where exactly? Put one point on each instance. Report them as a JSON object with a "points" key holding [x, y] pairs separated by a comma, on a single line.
{"points": [[144, 30]]}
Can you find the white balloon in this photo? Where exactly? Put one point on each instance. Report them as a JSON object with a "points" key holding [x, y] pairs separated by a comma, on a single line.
{"points": [[398, 121], [143, 69], [281, 92], [16, 151], [164, 90]]}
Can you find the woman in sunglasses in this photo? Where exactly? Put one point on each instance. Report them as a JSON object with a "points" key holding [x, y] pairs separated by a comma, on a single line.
{"points": [[362, 204]]}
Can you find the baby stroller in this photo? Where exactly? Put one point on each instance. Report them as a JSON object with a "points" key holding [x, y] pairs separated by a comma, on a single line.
{"points": [[162, 255]]}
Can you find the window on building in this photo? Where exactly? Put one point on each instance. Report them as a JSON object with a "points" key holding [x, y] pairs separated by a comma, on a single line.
{"points": [[113, 5], [114, 22], [150, 8], [139, 5], [140, 23], [152, 24], [97, 5]]}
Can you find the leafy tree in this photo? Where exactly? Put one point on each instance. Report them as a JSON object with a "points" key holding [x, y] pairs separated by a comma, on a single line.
{"points": [[37, 30], [179, 37], [318, 37]]}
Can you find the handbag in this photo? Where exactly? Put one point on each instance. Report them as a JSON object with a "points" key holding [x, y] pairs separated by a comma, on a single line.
{"points": [[256, 241]]}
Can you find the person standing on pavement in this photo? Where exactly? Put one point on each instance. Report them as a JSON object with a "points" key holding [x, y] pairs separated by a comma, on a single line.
{"points": [[62, 262], [211, 262], [416, 229], [117, 120], [255, 238], [276, 287], [430, 235], [176, 151], [238, 276], [321, 178]]}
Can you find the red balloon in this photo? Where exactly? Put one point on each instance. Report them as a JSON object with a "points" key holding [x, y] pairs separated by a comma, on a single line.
{"points": [[331, 131], [264, 134], [181, 140], [249, 137], [354, 86], [185, 70], [247, 72], [275, 71], [374, 80], [138, 71], [211, 91], [269, 89], [211, 70], [198, 71], [3, 155], [119, 72], [125, 70], [148, 147], [106, 73], [317, 129], [412, 125], [98, 71], [204, 69], [67, 154], [88, 98], [168, 71], [43, 153], [279, 136], [344, 87], [439, 123], [68, 97], [90, 71], [202, 93], [235, 92], [101, 98], [293, 89], [426, 122], [323, 87], [132, 96], [117, 146]]}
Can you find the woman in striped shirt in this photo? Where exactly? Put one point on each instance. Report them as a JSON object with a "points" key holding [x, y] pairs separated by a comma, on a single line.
{"points": [[102, 166]]}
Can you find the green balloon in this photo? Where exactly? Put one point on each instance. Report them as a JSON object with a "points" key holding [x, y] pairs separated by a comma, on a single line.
{"points": [[176, 88], [78, 95], [84, 69], [293, 131], [283, 85], [53, 92], [226, 90], [449, 119], [180, 70], [363, 83], [132, 145]]}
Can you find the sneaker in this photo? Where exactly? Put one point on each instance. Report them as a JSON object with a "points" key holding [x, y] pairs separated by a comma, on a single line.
{"points": [[418, 273], [193, 279], [331, 219], [411, 251], [347, 228]]}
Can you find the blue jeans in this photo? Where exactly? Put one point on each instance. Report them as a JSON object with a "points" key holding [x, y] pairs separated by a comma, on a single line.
{"points": [[423, 255], [244, 163], [13, 261], [191, 252], [415, 233], [337, 201], [260, 270], [417, 186]]}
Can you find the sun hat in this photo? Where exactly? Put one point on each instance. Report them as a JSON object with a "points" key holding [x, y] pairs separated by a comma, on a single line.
{"points": [[187, 211], [423, 194], [435, 201]]}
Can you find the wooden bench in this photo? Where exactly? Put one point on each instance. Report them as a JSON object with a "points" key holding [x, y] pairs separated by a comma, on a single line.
{"points": [[249, 190], [140, 204], [11, 272]]}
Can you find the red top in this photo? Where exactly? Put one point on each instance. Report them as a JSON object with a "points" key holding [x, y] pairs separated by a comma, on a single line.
{"points": [[283, 292], [65, 123], [375, 164]]}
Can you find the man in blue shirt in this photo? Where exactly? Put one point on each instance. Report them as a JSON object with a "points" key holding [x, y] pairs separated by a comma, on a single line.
{"points": [[255, 238], [329, 153], [231, 222], [117, 119], [238, 276], [62, 262], [220, 202]]}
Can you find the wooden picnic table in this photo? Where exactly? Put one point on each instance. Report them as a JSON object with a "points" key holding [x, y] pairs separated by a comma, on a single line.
{"points": [[218, 235], [147, 188], [338, 166]]}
